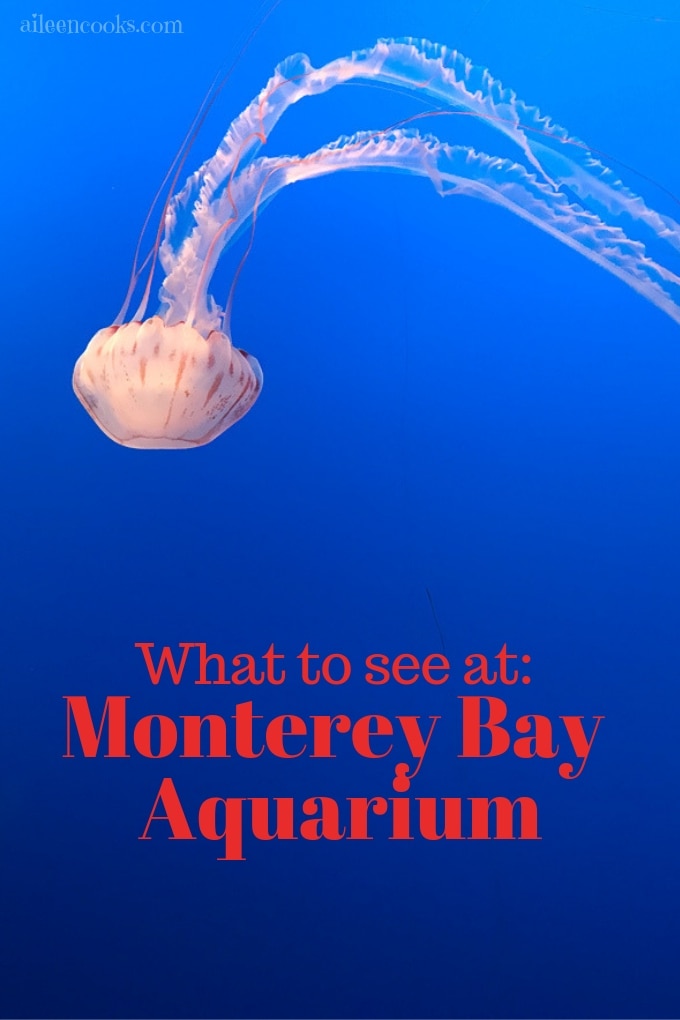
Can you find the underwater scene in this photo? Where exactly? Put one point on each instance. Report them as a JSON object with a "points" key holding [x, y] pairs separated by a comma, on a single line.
{"points": [[341, 562]]}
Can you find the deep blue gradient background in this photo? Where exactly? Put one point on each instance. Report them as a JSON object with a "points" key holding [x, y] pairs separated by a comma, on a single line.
{"points": [[453, 401]]}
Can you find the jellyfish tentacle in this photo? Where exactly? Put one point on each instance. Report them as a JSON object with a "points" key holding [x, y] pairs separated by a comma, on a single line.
{"points": [[445, 75], [463, 171], [267, 8], [451, 78], [200, 221], [245, 136]]}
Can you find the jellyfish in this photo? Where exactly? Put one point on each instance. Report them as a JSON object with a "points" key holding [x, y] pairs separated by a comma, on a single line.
{"points": [[175, 379]]}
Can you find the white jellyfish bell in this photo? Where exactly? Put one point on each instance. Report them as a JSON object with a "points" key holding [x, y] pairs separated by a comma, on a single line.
{"points": [[175, 380], [153, 386]]}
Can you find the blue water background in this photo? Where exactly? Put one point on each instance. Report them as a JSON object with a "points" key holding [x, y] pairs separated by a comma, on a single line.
{"points": [[453, 402]]}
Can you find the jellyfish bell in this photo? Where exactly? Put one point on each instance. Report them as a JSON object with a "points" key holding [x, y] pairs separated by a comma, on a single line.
{"points": [[149, 385]]}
